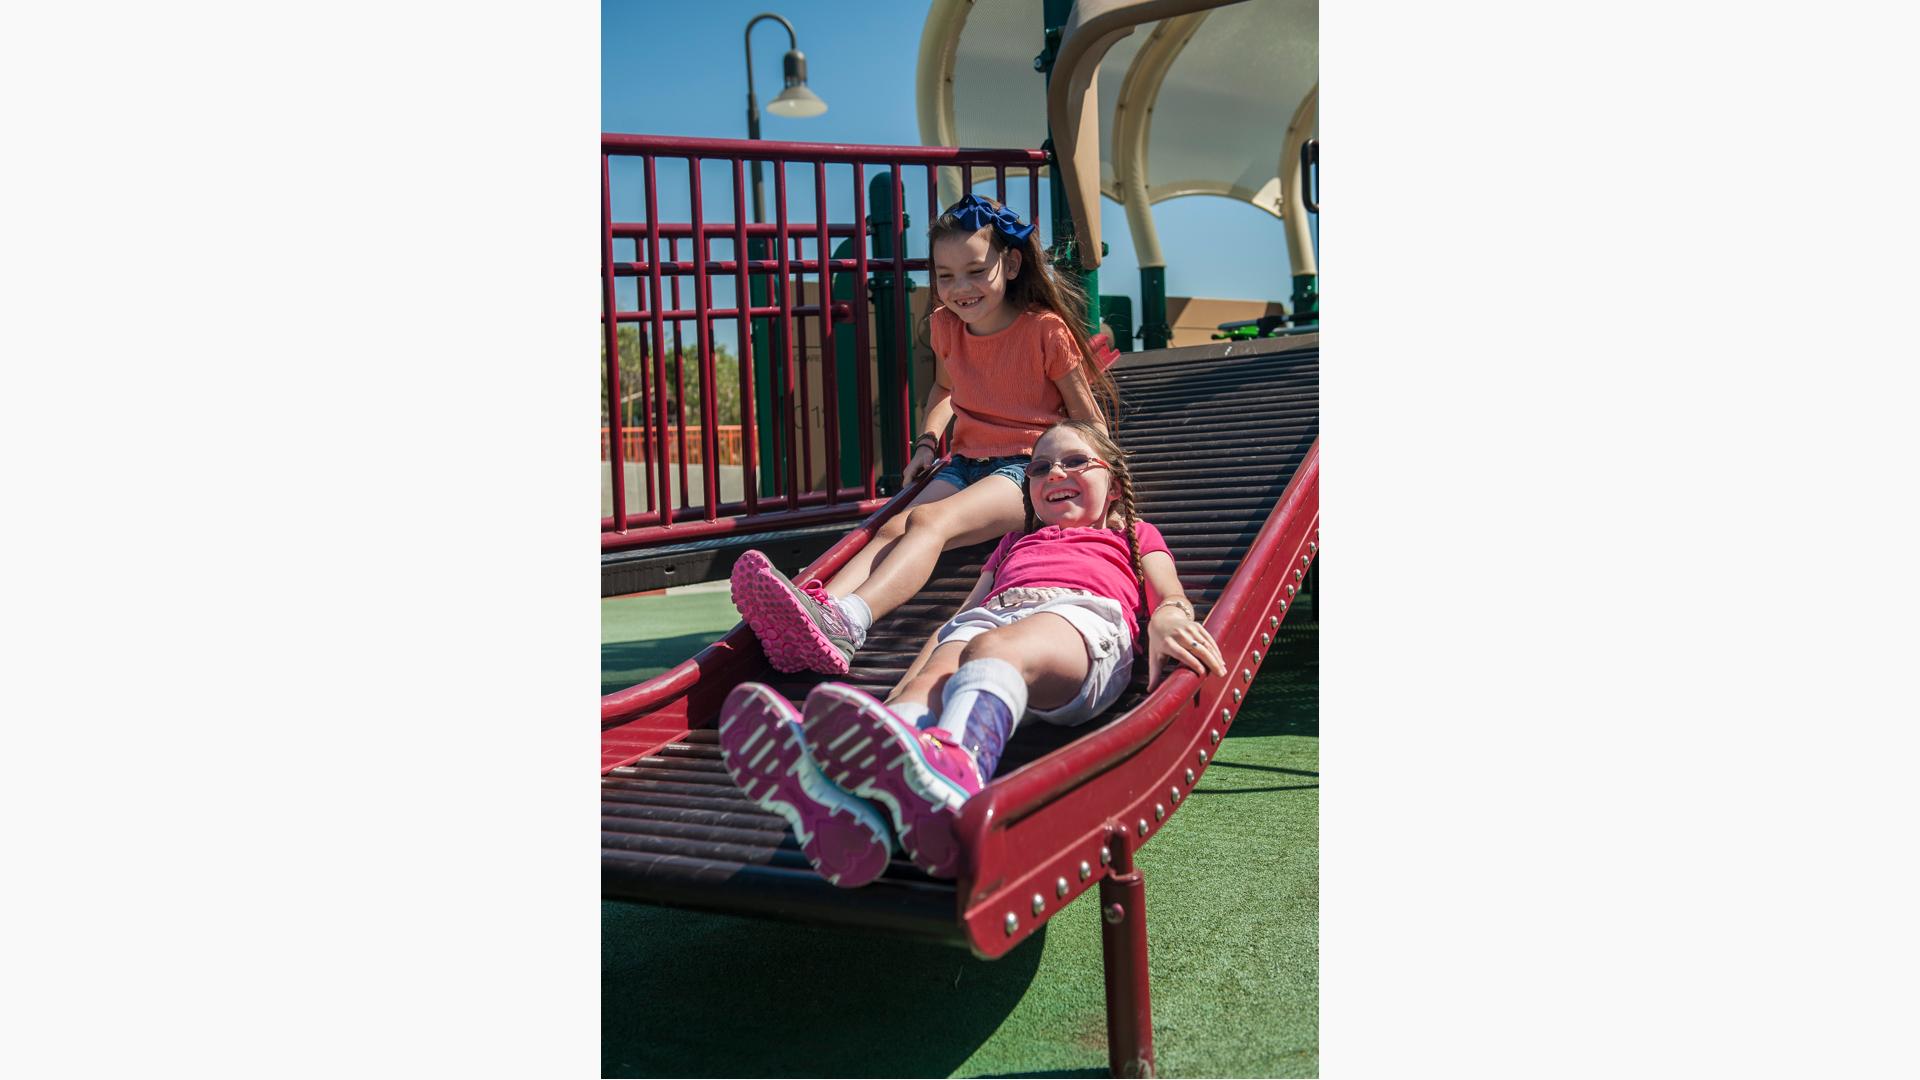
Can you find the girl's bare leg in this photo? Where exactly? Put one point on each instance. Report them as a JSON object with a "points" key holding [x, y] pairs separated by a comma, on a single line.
{"points": [[919, 662], [1049, 653], [990, 508], [923, 687], [854, 574]]}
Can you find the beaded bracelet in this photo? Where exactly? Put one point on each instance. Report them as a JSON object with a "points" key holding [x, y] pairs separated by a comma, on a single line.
{"points": [[1185, 605]]}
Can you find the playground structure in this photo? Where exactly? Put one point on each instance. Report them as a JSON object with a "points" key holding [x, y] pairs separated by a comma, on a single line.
{"points": [[1190, 114], [1224, 438]]}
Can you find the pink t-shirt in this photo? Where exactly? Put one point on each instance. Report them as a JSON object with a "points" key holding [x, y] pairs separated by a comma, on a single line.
{"points": [[1090, 558]]}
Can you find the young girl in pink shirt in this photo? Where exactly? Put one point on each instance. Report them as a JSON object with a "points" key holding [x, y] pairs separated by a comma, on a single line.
{"points": [[1010, 360], [1050, 631]]}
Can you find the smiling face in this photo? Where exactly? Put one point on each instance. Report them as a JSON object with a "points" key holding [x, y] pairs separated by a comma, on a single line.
{"points": [[970, 277], [1066, 499]]}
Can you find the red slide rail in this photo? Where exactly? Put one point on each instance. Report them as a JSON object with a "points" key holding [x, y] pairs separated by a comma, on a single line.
{"points": [[800, 248]]}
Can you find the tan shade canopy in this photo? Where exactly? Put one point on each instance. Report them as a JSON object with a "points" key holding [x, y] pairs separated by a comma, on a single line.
{"points": [[1212, 91]]}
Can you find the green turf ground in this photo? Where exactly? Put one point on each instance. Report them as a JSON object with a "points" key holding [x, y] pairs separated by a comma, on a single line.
{"points": [[1233, 942]]}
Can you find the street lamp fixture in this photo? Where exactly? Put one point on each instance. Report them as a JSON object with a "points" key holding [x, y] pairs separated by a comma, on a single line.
{"points": [[795, 99]]}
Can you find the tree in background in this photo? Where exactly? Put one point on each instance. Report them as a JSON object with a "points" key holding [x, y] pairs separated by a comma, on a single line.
{"points": [[726, 379]]}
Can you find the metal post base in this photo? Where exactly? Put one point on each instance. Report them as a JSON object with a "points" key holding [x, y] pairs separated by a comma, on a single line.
{"points": [[1123, 950]]}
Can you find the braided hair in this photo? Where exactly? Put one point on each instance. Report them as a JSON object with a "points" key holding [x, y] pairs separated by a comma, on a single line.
{"points": [[1124, 507]]}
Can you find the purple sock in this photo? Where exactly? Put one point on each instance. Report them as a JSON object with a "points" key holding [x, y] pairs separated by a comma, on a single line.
{"points": [[982, 703]]}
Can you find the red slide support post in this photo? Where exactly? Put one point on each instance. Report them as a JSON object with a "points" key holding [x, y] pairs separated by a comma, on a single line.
{"points": [[1123, 955]]}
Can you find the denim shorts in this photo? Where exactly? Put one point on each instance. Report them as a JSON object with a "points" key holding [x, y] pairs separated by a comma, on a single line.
{"points": [[962, 472]]}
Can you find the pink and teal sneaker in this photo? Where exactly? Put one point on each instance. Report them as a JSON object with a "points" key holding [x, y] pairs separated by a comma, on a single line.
{"points": [[800, 629], [766, 753], [920, 777]]}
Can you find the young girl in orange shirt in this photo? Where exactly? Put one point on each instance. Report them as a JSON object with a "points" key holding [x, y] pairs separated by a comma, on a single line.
{"points": [[1010, 360]]}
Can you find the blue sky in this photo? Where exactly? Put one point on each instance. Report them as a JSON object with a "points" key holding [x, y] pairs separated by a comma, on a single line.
{"points": [[678, 69]]}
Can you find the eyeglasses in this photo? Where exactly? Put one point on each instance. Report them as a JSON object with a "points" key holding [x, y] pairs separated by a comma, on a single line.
{"points": [[1073, 464]]}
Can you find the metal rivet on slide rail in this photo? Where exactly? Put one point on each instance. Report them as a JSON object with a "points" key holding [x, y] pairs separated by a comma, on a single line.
{"points": [[1290, 590], [1203, 757], [1106, 856], [1246, 674], [1236, 694], [1216, 738], [1159, 812], [1304, 560], [1273, 621], [1085, 870], [1013, 923], [1060, 887], [1143, 826], [1203, 753], [1039, 903], [1226, 716], [1113, 913], [1297, 575], [1174, 793], [1314, 545], [1256, 655], [1265, 641], [1283, 607]]}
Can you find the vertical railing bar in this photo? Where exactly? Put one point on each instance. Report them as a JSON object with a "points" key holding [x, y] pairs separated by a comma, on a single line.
{"points": [[615, 451], [743, 303], [659, 326], [903, 338], [863, 359], [966, 180], [647, 434], [1033, 195], [1000, 183], [933, 215], [703, 334], [679, 378], [829, 386], [806, 407], [792, 423]]}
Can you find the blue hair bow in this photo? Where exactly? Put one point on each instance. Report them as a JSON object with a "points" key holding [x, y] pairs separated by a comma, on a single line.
{"points": [[976, 212]]}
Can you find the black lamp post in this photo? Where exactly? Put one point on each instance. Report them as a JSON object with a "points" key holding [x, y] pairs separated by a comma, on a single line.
{"points": [[795, 99]]}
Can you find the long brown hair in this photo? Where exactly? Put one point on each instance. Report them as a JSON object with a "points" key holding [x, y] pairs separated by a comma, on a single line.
{"points": [[1038, 285], [1109, 450]]}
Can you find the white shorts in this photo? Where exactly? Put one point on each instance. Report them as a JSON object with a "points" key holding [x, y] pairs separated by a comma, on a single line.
{"points": [[1103, 628]]}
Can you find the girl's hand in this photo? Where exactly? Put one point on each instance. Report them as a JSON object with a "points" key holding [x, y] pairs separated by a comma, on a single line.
{"points": [[1173, 634], [923, 458]]}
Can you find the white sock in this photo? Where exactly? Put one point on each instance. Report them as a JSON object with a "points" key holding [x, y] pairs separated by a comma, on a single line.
{"points": [[912, 712], [858, 615]]}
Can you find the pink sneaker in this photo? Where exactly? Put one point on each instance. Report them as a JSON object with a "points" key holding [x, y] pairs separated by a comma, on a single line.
{"points": [[919, 776], [765, 752], [799, 629]]}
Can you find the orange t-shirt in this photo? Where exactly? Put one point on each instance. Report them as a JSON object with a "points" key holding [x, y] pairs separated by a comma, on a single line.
{"points": [[1004, 398]]}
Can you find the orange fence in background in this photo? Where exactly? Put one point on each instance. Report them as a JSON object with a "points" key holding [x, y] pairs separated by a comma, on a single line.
{"points": [[632, 439]]}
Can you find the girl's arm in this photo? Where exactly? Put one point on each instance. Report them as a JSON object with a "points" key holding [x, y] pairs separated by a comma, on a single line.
{"points": [[1172, 631], [974, 599], [1077, 394], [939, 411]]}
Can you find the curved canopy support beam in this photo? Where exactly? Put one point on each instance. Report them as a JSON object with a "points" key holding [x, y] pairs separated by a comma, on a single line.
{"points": [[1306, 121], [933, 85], [1133, 124], [1073, 107]]}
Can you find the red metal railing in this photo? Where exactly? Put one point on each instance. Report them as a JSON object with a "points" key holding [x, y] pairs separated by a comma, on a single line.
{"points": [[655, 415]]}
